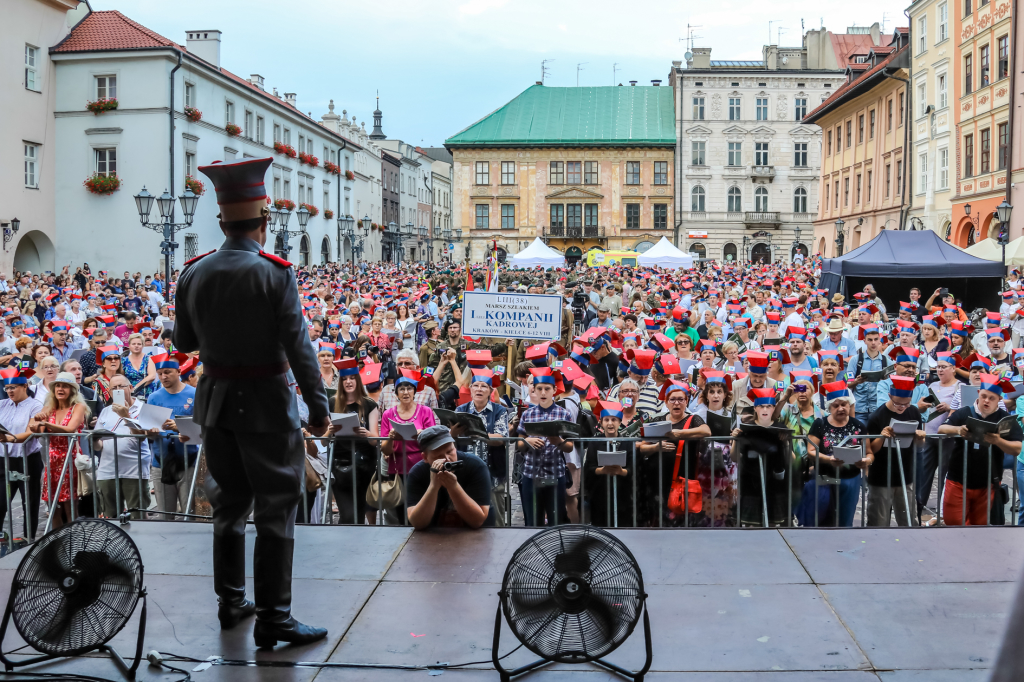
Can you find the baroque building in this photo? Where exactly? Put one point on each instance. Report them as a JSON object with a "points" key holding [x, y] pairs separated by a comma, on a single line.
{"points": [[747, 162], [583, 168]]}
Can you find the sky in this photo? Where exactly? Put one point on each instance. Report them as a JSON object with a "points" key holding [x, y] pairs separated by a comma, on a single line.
{"points": [[440, 65]]}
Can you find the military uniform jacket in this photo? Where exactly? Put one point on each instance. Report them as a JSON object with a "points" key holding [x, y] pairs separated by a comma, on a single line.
{"points": [[236, 290]]}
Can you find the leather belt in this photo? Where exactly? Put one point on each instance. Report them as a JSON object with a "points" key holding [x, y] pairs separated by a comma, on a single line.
{"points": [[244, 372]]}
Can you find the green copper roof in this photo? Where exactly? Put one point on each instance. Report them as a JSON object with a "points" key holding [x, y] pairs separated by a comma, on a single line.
{"points": [[603, 116]]}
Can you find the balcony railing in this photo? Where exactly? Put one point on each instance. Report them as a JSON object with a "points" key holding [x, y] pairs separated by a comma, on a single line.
{"points": [[763, 172], [587, 232], [761, 218]]}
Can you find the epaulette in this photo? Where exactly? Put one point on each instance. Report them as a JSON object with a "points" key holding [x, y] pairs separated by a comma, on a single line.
{"points": [[199, 257], [276, 259]]}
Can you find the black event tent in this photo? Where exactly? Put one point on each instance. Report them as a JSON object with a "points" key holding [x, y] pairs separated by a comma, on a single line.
{"points": [[896, 260]]}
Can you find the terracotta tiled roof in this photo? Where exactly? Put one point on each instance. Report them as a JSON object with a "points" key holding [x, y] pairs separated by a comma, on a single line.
{"points": [[842, 92], [845, 45], [111, 30]]}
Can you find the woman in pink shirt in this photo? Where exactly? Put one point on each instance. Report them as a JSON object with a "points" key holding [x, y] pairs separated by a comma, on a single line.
{"points": [[405, 412]]}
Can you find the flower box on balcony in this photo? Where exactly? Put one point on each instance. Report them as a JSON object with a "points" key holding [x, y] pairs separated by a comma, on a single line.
{"points": [[102, 184], [286, 149], [308, 159], [195, 185], [101, 105], [332, 168], [349, 175], [193, 114], [284, 205], [328, 214], [233, 130], [313, 210]]}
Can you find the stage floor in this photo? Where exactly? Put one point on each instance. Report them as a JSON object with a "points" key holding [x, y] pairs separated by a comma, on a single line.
{"points": [[802, 605]]}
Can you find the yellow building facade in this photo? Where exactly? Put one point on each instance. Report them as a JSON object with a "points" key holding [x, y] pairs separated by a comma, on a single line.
{"points": [[596, 174], [864, 172]]}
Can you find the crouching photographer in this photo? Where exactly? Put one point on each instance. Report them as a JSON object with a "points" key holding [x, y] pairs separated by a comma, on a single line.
{"points": [[447, 488]]}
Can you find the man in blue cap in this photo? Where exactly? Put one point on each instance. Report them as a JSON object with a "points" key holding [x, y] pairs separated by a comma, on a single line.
{"points": [[249, 415]]}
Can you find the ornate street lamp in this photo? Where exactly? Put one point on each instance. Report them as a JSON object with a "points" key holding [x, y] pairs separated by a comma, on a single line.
{"points": [[165, 204]]}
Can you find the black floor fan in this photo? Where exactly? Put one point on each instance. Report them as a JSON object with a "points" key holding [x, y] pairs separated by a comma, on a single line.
{"points": [[74, 590], [572, 594]]}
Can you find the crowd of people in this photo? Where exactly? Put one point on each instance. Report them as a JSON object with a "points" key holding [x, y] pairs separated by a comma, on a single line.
{"points": [[721, 396]]}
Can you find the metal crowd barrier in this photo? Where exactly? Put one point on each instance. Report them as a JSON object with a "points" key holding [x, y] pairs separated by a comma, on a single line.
{"points": [[81, 443], [648, 506]]}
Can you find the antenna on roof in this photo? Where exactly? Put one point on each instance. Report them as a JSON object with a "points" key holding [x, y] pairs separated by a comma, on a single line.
{"points": [[780, 31], [773, 21], [579, 67], [801, 27], [544, 69], [615, 68], [885, 20]]}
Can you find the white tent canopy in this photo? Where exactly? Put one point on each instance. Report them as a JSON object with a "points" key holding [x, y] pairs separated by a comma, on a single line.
{"points": [[665, 255], [989, 249], [538, 253]]}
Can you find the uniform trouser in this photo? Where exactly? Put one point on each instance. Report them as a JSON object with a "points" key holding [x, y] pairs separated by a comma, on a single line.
{"points": [[130, 498], [171, 497], [35, 478], [262, 473]]}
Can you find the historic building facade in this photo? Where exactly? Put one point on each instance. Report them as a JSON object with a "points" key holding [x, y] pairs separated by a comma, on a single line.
{"points": [[864, 171], [214, 115], [583, 168], [748, 162], [28, 139], [933, 50], [982, 32]]}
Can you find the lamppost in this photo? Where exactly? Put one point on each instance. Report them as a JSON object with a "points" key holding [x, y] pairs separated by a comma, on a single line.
{"points": [[746, 256], [393, 239], [346, 228], [165, 202], [437, 236], [424, 235], [448, 241], [279, 226], [840, 237], [975, 220], [10, 230], [1003, 211], [365, 224], [408, 230], [796, 243]]}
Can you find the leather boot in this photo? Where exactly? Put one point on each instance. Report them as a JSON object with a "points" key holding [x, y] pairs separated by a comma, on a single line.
{"points": [[229, 580], [272, 562]]}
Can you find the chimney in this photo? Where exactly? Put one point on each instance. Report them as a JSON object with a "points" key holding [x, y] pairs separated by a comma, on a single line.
{"points": [[205, 45], [632, 82], [289, 97], [256, 80], [655, 82], [540, 82], [701, 58]]}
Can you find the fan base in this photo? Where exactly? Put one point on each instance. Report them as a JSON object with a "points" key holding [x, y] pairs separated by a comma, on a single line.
{"points": [[507, 675], [127, 670]]}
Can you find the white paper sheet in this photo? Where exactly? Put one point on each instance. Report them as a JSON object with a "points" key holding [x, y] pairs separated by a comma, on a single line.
{"points": [[153, 417], [189, 428], [347, 421]]}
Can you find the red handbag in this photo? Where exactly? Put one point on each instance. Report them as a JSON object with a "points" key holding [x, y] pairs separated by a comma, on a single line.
{"points": [[685, 495]]}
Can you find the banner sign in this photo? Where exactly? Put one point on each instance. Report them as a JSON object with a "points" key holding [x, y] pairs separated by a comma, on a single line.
{"points": [[515, 316]]}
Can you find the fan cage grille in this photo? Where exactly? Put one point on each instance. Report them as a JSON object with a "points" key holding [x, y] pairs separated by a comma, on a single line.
{"points": [[107, 569], [572, 631]]}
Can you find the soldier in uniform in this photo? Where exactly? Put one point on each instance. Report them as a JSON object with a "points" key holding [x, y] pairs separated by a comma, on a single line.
{"points": [[248, 411]]}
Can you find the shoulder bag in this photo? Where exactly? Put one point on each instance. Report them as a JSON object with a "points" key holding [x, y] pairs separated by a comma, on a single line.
{"points": [[685, 495]]}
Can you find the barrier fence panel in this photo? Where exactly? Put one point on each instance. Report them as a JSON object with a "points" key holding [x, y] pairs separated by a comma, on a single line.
{"points": [[738, 484]]}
